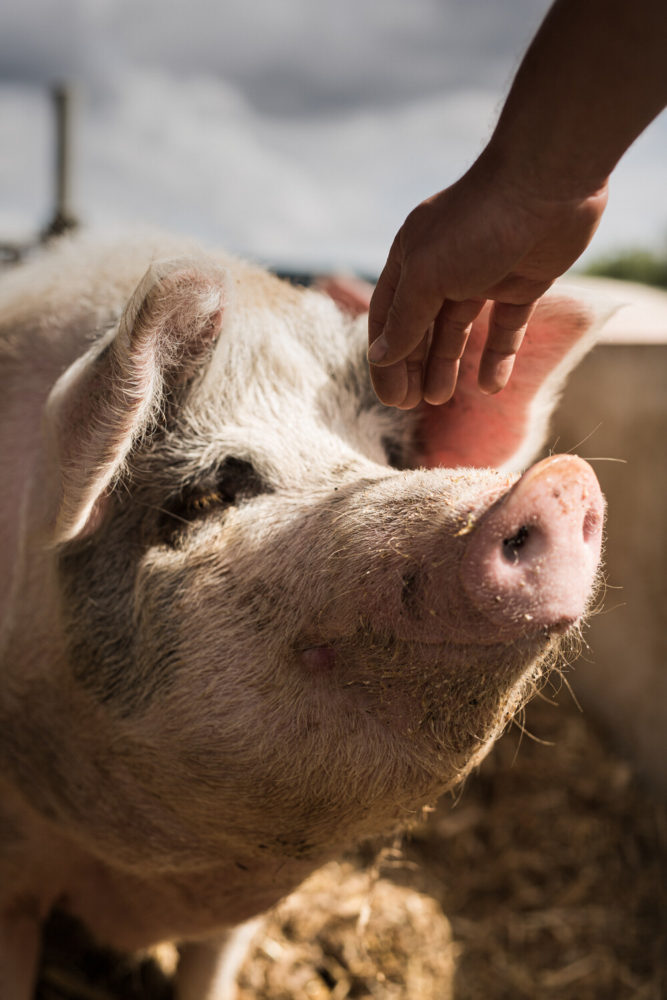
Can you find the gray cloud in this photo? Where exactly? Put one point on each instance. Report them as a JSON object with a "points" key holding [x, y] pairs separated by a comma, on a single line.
{"points": [[289, 57], [295, 131]]}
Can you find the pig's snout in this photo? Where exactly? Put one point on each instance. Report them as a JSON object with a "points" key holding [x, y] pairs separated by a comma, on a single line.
{"points": [[532, 560]]}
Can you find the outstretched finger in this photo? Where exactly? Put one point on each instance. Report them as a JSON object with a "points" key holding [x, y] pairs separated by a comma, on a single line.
{"points": [[411, 312], [402, 384], [414, 366], [450, 335], [390, 383], [507, 326], [383, 293]]}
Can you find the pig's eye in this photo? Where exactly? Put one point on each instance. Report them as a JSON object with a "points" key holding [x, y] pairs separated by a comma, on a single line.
{"points": [[234, 482]]}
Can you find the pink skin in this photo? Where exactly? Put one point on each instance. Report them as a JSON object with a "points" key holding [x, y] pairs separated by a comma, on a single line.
{"points": [[533, 558]]}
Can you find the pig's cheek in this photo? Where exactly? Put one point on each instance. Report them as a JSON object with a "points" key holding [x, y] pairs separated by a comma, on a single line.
{"points": [[458, 697], [401, 576], [415, 596]]}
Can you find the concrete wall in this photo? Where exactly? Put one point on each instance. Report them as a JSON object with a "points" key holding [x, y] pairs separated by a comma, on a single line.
{"points": [[615, 407]]}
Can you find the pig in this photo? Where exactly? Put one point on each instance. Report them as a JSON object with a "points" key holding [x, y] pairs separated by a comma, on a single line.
{"points": [[250, 616]]}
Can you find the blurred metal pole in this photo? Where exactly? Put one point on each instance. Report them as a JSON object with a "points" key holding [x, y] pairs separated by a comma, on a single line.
{"points": [[64, 217]]}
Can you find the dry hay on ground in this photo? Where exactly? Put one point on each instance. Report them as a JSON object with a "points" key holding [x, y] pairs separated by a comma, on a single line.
{"points": [[547, 877]]}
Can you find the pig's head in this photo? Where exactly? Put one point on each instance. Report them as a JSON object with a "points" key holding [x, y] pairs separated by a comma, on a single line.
{"points": [[289, 616]]}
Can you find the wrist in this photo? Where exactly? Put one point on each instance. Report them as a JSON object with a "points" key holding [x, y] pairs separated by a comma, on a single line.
{"points": [[534, 179]]}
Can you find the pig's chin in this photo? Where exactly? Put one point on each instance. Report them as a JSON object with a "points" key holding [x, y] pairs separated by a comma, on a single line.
{"points": [[433, 689], [409, 652]]}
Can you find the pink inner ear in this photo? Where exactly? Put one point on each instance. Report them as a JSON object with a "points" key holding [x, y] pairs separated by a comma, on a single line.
{"points": [[351, 294], [477, 430]]}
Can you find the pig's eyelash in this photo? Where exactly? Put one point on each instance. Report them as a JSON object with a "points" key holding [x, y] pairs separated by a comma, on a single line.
{"points": [[166, 513], [204, 502]]}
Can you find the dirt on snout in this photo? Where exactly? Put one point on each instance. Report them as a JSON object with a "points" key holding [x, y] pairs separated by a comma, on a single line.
{"points": [[546, 877]]}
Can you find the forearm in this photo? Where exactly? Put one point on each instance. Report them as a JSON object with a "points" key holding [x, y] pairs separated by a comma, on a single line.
{"points": [[593, 78]]}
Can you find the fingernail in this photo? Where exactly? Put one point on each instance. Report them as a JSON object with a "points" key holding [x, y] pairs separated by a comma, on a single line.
{"points": [[495, 379], [378, 350]]}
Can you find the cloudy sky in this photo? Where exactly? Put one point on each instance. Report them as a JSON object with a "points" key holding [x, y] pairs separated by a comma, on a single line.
{"points": [[297, 131]]}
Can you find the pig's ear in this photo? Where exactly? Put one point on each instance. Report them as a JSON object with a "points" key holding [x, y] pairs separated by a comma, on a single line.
{"points": [[112, 395], [351, 294], [506, 430]]}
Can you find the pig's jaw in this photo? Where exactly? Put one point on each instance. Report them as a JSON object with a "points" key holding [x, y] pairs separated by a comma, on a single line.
{"points": [[411, 730], [424, 731], [415, 686]]}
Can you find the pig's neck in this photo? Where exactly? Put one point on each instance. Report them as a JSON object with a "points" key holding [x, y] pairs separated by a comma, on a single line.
{"points": [[129, 911], [95, 840], [126, 909]]}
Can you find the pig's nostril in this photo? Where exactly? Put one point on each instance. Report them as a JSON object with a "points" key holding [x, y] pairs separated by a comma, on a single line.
{"points": [[591, 525], [512, 545], [531, 561]]}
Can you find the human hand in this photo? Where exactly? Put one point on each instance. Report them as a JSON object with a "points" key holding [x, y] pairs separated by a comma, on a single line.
{"points": [[483, 238]]}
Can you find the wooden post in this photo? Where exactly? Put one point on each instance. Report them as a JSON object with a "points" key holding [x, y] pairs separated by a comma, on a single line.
{"points": [[63, 218]]}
